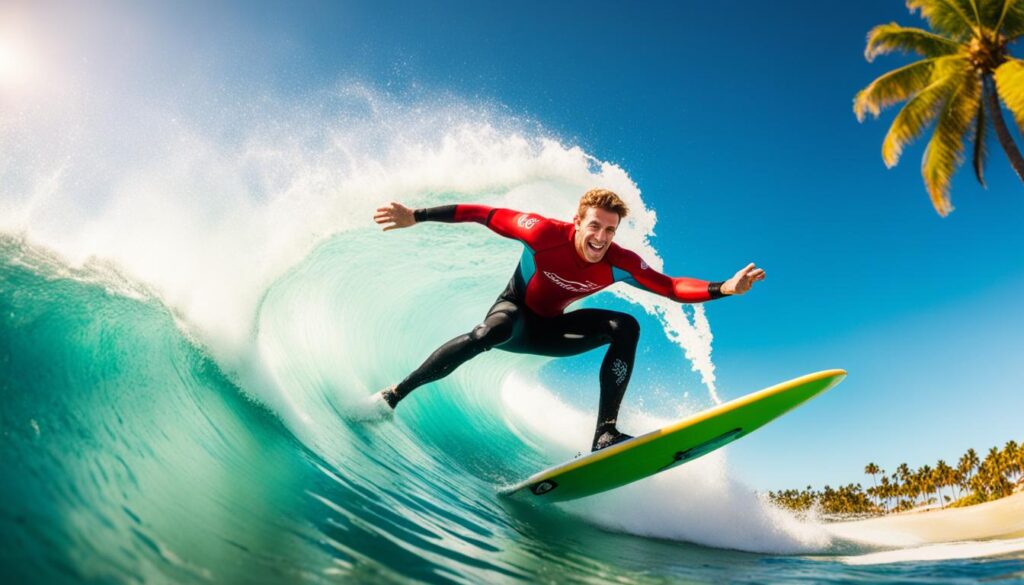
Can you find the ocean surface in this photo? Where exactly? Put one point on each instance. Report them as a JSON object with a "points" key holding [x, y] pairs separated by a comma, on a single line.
{"points": [[191, 321]]}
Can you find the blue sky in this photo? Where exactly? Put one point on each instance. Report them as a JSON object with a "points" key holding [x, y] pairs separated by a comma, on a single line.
{"points": [[735, 120]]}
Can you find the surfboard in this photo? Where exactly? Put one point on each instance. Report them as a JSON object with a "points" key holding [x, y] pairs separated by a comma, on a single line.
{"points": [[673, 445]]}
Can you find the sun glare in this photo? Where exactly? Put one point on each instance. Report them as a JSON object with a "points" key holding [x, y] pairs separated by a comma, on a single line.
{"points": [[14, 62]]}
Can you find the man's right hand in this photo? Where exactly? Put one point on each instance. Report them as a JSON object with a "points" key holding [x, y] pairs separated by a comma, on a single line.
{"points": [[394, 216]]}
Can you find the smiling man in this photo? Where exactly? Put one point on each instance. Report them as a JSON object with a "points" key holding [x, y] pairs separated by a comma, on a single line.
{"points": [[561, 262]]}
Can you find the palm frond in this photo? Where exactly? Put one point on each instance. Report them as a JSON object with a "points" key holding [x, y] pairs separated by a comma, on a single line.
{"points": [[976, 13], [886, 38], [992, 12], [1011, 18], [892, 88], [922, 109], [1010, 83], [945, 150], [980, 148], [952, 17]]}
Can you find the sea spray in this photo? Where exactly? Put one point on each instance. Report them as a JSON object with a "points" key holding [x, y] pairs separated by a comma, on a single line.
{"points": [[209, 217]]}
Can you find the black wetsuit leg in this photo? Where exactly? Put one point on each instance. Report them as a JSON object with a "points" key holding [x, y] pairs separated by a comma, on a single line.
{"points": [[512, 327], [580, 331], [496, 328]]}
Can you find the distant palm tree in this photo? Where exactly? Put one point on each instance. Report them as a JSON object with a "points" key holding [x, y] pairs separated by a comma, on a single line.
{"points": [[994, 460], [958, 85], [1020, 462], [903, 471], [941, 476], [926, 484], [872, 469], [962, 474], [906, 481], [886, 490], [953, 481], [1012, 460], [969, 463], [990, 482]]}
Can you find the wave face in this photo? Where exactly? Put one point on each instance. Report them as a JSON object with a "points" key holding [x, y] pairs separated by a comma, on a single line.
{"points": [[187, 334]]}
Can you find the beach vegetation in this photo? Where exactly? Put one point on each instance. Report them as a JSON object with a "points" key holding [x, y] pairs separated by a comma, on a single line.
{"points": [[972, 481]]}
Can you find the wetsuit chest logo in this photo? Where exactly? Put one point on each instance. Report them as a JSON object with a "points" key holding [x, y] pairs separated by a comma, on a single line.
{"points": [[572, 285]]}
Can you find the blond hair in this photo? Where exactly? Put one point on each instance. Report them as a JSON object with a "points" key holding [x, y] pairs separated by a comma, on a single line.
{"points": [[602, 199]]}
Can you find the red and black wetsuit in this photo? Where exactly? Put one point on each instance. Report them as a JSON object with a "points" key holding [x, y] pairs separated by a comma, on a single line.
{"points": [[529, 317]]}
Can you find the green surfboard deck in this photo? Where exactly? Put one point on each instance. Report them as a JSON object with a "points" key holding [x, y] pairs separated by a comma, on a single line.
{"points": [[673, 445]]}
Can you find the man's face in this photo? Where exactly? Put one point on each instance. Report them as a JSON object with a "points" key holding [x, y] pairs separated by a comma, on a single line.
{"points": [[594, 233]]}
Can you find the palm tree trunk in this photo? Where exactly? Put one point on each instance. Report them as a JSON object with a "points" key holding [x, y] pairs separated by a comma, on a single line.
{"points": [[1005, 139], [877, 495]]}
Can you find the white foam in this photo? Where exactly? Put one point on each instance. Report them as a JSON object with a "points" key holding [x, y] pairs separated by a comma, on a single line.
{"points": [[208, 217], [938, 552]]}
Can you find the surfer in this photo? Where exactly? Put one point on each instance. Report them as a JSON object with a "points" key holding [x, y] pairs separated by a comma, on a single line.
{"points": [[561, 262]]}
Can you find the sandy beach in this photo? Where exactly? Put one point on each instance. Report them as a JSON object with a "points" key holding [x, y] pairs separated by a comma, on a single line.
{"points": [[1003, 519]]}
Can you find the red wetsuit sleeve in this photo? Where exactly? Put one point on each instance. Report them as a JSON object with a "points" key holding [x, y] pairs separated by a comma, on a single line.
{"points": [[525, 227], [633, 270]]}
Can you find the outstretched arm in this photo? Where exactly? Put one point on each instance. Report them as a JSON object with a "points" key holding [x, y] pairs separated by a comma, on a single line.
{"points": [[395, 215], [630, 269], [505, 222]]}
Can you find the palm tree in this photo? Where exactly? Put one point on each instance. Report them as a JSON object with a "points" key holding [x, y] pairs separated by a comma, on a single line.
{"points": [[906, 481], [966, 70], [924, 477], [1020, 462], [960, 477], [979, 485], [990, 482], [903, 471], [994, 459], [953, 481], [895, 490], [872, 469], [886, 491], [941, 474], [967, 464], [1012, 460]]}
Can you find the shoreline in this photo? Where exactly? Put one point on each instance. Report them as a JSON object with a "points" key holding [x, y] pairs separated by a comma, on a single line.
{"points": [[1002, 518]]}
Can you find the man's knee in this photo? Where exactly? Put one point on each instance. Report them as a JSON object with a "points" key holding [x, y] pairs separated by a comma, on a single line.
{"points": [[624, 326], [490, 334]]}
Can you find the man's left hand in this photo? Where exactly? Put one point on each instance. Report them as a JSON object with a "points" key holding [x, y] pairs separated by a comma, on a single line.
{"points": [[743, 280]]}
